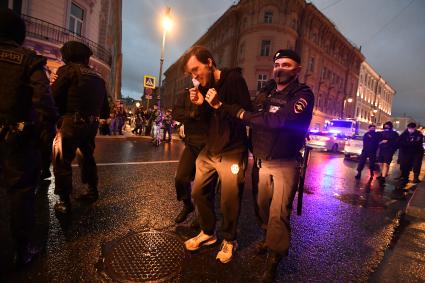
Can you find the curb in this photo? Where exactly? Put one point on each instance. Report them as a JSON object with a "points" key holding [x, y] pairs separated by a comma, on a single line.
{"points": [[416, 205]]}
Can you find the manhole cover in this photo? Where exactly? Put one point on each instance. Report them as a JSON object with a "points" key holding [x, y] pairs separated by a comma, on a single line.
{"points": [[145, 256]]}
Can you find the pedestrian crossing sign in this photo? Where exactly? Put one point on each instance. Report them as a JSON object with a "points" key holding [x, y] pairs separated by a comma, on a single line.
{"points": [[149, 81]]}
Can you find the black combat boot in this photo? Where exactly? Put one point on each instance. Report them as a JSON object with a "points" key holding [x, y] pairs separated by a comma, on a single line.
{"points": [[90, 195], [359, 174], [186, 210], [63, 206], [272, 262]]}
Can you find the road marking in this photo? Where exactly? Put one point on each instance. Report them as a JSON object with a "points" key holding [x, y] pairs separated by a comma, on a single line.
{"points": [[133, 163]]}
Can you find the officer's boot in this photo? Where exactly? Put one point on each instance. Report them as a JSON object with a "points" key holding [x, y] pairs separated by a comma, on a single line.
{"points": [[186, 210], [272, 262], [358, 176], [416, 179], [90, 195], [63, 206]]}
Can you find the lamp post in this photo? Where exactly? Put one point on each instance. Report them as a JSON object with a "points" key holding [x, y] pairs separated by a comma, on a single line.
{"points": [[166, 25], [349, 100]]}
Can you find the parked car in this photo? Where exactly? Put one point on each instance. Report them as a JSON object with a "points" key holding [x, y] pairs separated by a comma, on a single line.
{"points": [[327, 141], [353, 147]]}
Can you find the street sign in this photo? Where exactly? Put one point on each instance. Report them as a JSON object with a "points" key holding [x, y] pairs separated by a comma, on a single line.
{"points": [[148, 91], [149, 81]]}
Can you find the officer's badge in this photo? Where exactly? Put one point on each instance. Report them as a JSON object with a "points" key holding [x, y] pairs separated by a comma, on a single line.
{"points": [[11, 57], [273, 108], [300, 105]]}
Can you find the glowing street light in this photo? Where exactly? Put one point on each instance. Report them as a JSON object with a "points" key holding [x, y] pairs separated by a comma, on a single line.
{"points": [[167, 24], [349, 100], [137, 104]]}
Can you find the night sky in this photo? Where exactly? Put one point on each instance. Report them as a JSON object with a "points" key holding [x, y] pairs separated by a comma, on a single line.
{"points": [[391, 34]]}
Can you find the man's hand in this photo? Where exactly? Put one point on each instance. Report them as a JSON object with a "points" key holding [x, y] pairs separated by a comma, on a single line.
{"points": [[212, 98], [383, 141], [196, 96]]}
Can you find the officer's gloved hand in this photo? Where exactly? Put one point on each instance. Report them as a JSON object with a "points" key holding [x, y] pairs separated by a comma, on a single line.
{"points": [[59, 123]]}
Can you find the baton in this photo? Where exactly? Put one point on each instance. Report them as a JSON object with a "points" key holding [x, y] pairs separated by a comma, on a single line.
{"points": [[303, 170]]}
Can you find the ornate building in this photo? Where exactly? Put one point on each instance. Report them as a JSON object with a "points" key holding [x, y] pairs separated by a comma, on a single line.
{"points": [[374, 97], [250, 32], [50, 23]]}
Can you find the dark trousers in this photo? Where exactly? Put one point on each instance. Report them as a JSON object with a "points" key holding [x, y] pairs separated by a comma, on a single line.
{"points": [[278, 180], [230, 169], [186, 171], [409, 162], [75, 135], [362, 161], [19, 172], [167, 129]]}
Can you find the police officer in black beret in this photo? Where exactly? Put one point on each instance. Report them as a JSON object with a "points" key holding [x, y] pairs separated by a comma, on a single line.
{"points": [[370, 146], [25, 104], [80, 94], [388, 143], [279, 128], [411, 153]]}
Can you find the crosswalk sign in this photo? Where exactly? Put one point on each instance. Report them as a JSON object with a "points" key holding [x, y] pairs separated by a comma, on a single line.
{"points": [[149, 81]]}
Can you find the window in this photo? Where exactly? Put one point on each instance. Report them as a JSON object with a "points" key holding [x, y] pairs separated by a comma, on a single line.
{"points": [[262, 79], [268, 17], [265, 47], [76, 19]]}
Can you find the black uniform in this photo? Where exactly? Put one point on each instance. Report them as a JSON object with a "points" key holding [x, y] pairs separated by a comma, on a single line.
{"points": [[195, 120], [386, 150], [411, 153], [279, 129], [81, 96], [25, 105], [370, 147]]}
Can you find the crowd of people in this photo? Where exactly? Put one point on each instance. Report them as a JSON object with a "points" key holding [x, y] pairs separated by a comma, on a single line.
{"points": [[148, 122], [380, 147]]}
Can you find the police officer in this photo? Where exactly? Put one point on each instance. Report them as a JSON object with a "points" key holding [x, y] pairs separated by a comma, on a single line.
{"points": [[411, 153], [279, 129], [80, 94], [387, 147], [370, 146], [25, 104]]}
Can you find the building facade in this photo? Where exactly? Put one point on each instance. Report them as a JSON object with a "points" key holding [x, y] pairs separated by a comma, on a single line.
{"points": [[249, 33], [51, 23], [374, 97]]}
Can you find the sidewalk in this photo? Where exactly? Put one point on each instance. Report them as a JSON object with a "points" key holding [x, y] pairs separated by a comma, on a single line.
{"points": [[404, 259]]}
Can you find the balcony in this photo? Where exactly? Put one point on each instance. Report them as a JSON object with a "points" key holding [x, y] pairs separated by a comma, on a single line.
{"points": [[43, 30]]}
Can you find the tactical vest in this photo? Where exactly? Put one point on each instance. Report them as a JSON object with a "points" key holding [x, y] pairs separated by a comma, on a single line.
{"points": [[16, 66], [86, 93]]}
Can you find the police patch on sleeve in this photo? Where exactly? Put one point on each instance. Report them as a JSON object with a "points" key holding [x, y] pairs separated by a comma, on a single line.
{"points": [[300, 105], [273, 108]]}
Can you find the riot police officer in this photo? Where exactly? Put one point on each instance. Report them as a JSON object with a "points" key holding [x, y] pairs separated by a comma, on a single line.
{"points": [[387, 147], [80, 94], [370, 146], [279, 129], [411, 153], [26, 103]]}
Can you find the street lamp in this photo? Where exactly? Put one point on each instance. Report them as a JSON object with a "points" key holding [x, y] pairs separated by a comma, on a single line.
{"points": [[166, 25], [137, 104]]}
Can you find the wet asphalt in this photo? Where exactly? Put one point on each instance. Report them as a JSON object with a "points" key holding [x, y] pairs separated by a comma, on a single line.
{"points": [[342, 236]]}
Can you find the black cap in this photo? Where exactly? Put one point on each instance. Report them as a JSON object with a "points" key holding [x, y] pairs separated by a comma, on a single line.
{"points": [[287, 53], [411, 125], [12, 27], [76, 52]]}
